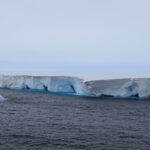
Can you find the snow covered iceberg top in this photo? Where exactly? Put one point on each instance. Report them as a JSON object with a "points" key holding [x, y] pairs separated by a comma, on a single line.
{"points": [[121, 87], [58, 84]]}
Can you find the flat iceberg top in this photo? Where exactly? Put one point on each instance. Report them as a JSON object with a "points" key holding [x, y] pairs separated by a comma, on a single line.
{"points": [[136, 87], [57, 84]]}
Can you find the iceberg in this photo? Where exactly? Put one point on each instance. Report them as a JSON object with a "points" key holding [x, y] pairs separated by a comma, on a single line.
{"points": [[75, 86], [56, 84], [121, 87]]}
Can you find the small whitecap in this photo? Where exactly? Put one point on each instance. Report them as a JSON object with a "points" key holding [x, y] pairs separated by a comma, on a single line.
{"points": [[2, 98]]}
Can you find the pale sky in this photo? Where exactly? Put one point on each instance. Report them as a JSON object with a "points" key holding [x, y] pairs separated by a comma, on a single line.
{"points": [[92, 39]]}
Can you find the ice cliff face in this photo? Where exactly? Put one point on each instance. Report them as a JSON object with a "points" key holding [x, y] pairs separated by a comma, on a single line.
{"points": [[120, 88], [69, 85]]}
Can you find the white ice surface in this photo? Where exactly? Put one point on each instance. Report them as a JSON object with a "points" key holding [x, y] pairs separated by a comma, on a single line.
{"points": [[58, 84]]}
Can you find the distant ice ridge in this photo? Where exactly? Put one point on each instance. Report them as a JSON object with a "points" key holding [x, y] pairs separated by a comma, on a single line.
{"points": [[121, 88], [58, 84]]}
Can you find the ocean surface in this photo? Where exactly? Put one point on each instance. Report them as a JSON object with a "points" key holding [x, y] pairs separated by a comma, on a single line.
{"points": [[43, 121]]}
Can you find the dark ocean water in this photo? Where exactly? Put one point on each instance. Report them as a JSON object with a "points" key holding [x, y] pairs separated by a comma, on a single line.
{"points": [[41, 121]]}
